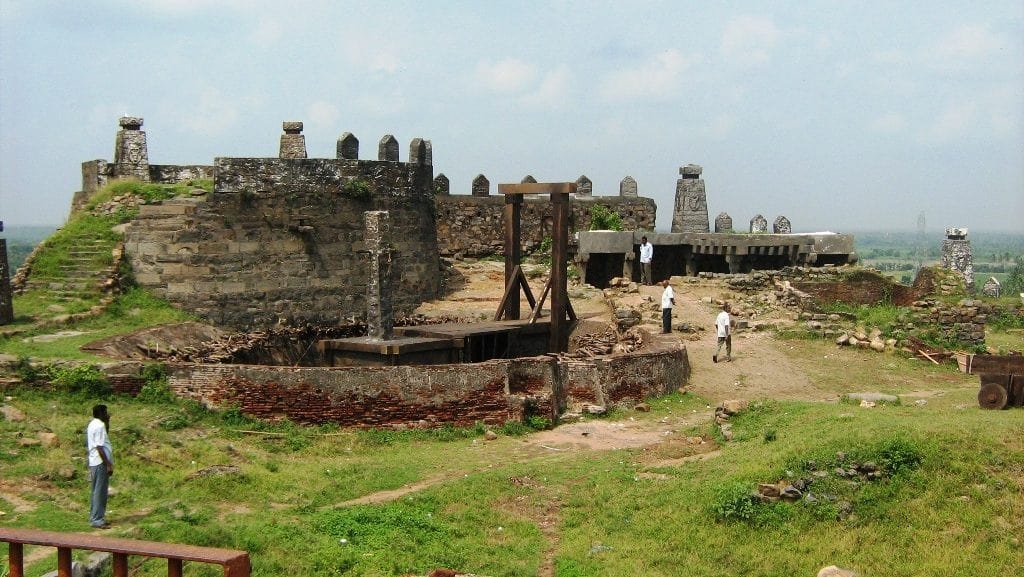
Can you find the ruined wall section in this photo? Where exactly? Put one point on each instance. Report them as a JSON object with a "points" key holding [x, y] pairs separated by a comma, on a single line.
{"points": [[490, 392], [472, 226], [282, 241]]}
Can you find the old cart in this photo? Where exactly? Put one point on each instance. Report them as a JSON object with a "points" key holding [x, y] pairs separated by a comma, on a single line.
{"points": [[1002, 380]]}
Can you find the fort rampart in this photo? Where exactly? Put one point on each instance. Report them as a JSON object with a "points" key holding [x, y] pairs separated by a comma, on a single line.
{"points": [[281, 240]]}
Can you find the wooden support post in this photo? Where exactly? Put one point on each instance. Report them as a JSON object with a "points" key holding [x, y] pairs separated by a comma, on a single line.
{"points": [[63, 562], [559, 342], [559, 193], [174, 567], [120, 565], [16, 559], [513, 251]]}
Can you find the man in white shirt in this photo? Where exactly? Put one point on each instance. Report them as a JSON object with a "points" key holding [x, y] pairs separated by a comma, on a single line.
{"points": [[101, 465], [646, 255], [723, 325], [668, 298]]}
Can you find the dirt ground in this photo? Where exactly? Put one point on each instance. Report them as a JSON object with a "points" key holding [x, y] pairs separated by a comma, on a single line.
{"points": [[759, 368]]}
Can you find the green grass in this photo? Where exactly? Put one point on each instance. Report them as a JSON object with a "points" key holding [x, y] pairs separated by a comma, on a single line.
{"points": [[131, 311], [948, 503]]}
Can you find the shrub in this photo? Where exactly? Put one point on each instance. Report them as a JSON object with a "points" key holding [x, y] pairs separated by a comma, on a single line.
{"points": [[900, 455], [174, 422], [155, 388], [357, 188], [734, 502], [86, 380], [604, 218]]}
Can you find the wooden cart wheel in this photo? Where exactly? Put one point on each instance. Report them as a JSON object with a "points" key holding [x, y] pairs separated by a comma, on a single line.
{"points": [[992, 396]]}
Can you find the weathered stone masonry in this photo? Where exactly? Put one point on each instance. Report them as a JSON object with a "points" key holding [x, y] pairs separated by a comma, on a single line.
{"points": [[472, 225], [491, 392], [282, 241]]}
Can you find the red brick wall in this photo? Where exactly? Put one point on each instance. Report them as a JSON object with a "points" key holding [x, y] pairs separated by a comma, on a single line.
{"points": [[492, 392]]}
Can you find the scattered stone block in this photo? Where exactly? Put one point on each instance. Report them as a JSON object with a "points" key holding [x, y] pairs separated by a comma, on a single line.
{"points": [[11, 413]]}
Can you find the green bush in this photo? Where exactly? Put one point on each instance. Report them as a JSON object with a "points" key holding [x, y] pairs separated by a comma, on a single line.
{"points": [[900, 455], [604, 218], [357, 188], [734, 502], [86, 380], [155, 388]]}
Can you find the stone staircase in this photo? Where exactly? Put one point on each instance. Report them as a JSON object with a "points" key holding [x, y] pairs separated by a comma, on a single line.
{"points": [[84, 273]]}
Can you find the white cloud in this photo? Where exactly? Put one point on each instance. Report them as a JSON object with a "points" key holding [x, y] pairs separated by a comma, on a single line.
{"points": [[955, 121], [749, 39], [553, 90], [969, 42], [509, 75], [364, 51], [322, 113], [720, 127], [267, 32], [890, 123], [380, 104], [213, 114], [657, 79]]}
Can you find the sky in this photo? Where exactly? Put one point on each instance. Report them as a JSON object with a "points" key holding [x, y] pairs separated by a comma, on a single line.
{"points": [[839, 115]]}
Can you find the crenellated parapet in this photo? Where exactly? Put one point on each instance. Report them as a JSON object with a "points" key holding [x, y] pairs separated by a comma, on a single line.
{"points": [[283, 240], [470, 225]]}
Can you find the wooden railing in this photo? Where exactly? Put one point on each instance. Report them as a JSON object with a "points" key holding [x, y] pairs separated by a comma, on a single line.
{"points": [[235, 563]]}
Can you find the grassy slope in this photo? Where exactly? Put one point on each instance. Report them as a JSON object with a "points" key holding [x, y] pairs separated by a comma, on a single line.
{"points": [[499, 508]]}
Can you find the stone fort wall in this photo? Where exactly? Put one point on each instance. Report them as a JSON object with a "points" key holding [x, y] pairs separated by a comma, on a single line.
{"points": [[472, 226], [281, 240]]}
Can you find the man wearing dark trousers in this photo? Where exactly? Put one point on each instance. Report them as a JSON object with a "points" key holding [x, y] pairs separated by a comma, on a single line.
{"points": [[101, 465]]}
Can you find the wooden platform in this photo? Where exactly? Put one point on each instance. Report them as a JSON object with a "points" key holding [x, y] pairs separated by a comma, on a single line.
{"points": [[441, 344]]}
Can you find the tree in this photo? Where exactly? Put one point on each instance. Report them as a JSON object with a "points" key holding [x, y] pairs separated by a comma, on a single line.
{"points": [[1015, 281]]}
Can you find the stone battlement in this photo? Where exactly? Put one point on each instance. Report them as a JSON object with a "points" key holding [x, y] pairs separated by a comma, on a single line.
{"points": [[282, 240]]}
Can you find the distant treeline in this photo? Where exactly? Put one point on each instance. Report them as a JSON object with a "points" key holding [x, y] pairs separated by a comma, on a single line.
{"points": [[21, 240], [993, 252]]}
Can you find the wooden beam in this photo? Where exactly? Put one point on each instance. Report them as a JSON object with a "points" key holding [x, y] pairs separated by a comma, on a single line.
{"points": [[538, 188]]}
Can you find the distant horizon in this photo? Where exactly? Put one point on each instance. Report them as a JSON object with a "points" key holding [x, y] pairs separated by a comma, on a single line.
{"points": [[832, 114], [909, 230]]}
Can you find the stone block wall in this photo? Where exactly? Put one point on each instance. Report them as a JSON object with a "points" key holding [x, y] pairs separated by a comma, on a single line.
{"points": [[491, 392], [472, 226], [962, 323], [282, 241]]}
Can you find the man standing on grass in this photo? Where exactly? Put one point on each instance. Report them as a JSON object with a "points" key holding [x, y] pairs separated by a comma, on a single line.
{"points": [[646, 256], [723, 325], [101, 465], [668, 298]]}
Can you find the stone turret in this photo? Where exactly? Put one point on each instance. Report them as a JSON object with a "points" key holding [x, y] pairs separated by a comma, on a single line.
{"points": [[758, 224], [131, 156], [723, 222], [627, 187], [691, 208], [782, 226], [293, 143], [956, 255]]}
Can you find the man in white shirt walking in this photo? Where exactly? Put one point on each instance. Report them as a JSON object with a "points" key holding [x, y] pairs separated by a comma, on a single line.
{"points": [[101, 465], [646, 255], [723, 325], [668, 299]]}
